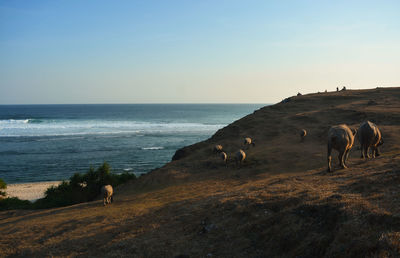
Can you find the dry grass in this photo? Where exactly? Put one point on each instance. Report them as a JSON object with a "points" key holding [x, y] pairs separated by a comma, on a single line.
{"points": [[280, 203]]}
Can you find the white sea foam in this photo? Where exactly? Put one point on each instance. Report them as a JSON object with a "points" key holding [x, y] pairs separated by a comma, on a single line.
{"points": [[152, 148], [32, 127], [14, 121]]}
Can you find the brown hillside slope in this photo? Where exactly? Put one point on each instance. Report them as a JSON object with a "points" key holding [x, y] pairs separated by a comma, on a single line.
{"points": [[280, 203]]}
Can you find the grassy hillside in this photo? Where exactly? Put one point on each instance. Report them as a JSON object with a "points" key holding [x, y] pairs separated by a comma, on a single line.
{"points": [[281, 202]]}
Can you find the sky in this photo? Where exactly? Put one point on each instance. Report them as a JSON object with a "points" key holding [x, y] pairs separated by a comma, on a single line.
{"points": [[205, 51]]}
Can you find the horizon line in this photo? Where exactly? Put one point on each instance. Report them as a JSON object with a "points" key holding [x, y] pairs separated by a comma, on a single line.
{"points": [[155, 103]]}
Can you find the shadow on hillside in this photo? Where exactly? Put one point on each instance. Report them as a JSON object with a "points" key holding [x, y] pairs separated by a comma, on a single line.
{"points": [[245, 227], [23, 215], [375, 183]]}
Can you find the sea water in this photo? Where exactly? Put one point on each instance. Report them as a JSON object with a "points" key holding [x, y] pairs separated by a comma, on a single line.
{"points": [[52, 142]]}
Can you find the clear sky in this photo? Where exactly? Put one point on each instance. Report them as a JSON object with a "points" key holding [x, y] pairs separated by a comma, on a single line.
{"points": [[75, 51]]}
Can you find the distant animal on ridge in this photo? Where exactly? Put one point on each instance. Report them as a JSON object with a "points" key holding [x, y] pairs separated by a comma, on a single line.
{"points": [[107, 192], [224, 157], [369, 136], [303, 134], [217, 148], [248, 141], [340, 138], [240, 156]]}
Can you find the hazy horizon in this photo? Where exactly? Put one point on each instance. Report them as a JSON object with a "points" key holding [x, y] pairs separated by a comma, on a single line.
{"points": [[134, 52], [182, 103]]}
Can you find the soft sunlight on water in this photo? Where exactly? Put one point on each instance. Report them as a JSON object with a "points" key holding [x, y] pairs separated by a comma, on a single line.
{"points": [[51, 142]]}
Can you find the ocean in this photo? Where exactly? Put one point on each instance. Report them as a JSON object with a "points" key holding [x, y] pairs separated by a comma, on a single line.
{"points": [[52, 142]]}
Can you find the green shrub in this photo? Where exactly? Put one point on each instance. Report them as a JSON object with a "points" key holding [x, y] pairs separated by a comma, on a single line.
{"points": [[62, 195], [82, 187], [12, 203], [124, 177], [3, 185]]}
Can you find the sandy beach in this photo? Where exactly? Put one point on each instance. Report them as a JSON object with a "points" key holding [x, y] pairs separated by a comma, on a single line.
{"points": [[29, 191]]}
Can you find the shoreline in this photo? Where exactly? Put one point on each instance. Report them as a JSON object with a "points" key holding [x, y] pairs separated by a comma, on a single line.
{"points": [[29, 191]]}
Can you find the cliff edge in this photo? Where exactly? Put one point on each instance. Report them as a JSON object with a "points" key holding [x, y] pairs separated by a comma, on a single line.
{"points": [[280, 203]]}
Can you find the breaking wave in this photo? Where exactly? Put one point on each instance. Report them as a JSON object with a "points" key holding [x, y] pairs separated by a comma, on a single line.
{"points": [[152, 148], [37, 127]]}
